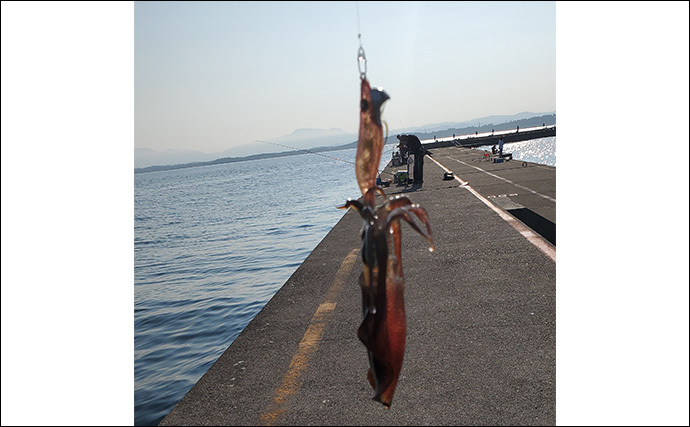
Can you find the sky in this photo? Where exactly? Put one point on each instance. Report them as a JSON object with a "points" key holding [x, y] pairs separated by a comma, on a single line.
{"points": [[68, 128], [212, 75]]}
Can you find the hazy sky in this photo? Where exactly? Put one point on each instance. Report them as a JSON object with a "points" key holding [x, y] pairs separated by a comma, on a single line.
{"points": [[211, 75]]}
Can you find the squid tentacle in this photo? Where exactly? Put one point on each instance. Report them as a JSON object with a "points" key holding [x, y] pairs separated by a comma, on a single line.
{"points": [[404, 212]]}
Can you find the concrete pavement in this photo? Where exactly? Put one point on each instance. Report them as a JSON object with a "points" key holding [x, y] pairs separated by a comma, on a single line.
{"points": [[481, 313]]}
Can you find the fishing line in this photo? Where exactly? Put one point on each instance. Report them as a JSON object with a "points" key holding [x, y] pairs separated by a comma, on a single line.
{"points": [[307, 151], [362, 67], [361, 57], [380, 171], [359, 29]]}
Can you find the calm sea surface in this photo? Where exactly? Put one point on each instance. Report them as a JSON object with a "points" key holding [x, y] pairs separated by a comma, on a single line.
{"points": [[212, 244]]}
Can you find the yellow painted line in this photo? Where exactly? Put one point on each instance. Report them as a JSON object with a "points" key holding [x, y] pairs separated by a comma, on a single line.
{"points": [[535, 239], [292, 382]]}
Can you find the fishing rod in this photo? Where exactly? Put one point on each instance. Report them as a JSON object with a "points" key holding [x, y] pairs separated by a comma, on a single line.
{"points": [[361, 64], [380, 171]]}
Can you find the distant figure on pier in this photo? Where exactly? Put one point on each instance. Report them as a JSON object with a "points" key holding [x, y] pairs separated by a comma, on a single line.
{"points": [[414, 145], [453, 135], [492, 131], [518, 129], [402, 146], [500, 147]]}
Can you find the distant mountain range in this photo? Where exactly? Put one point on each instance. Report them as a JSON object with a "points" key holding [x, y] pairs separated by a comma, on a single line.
{"points": [[299, 139], [325, 140]]}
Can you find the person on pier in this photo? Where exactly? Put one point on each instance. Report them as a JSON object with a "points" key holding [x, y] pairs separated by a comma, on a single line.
{"points": [[415, 147]]}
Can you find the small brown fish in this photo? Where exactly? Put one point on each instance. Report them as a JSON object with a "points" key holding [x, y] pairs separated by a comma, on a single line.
{"points": [[383, 329]]}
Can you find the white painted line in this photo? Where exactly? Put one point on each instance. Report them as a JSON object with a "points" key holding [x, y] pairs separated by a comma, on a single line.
{"points": [[506, 180], [462, 183], [535, 239]]}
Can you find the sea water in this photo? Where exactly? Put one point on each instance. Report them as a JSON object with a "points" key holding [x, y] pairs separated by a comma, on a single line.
{"points": [[213, 244], [541, 150]]}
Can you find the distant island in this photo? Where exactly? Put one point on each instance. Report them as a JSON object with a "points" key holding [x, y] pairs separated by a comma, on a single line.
{"points": [[548, 120]]}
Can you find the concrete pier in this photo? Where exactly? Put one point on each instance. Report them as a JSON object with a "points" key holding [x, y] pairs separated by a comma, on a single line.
{"points": [[481, 316], [491, 138]]}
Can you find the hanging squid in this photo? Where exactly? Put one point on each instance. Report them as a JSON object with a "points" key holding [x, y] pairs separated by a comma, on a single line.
{"points": [[383, 327]]}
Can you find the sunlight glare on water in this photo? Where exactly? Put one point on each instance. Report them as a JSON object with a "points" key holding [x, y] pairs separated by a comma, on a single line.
{"points": [[541, 150]]}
